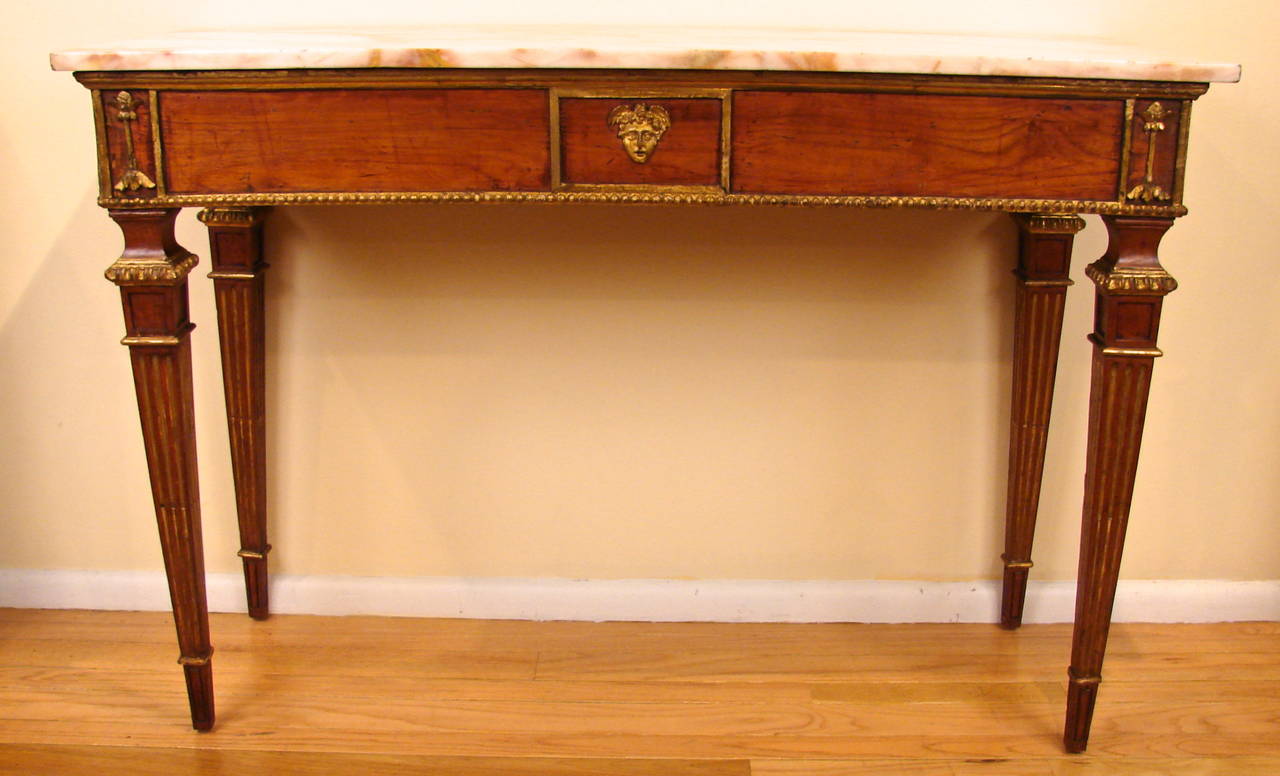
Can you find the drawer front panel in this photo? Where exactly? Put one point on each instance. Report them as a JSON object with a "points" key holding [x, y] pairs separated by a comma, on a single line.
{"points": [[926, 145], [687, 152], [374, 140]]}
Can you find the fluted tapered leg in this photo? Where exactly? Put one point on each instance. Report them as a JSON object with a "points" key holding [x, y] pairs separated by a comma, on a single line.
{"points": [[152, 276], [235, 245], [1044, 268], [1131, 286]]}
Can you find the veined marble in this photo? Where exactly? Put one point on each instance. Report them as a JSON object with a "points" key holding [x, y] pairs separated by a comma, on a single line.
{"points": [[701, 48]]}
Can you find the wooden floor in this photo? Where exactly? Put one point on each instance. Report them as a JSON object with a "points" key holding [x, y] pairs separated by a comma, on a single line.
{"points": [[99, 693]]}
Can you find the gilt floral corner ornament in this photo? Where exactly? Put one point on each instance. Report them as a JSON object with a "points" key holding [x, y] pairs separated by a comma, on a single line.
{"points": [[132, 178], [1148, 190]]}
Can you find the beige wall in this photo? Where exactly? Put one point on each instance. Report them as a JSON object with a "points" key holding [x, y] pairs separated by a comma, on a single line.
{"points": [[609, 392]]}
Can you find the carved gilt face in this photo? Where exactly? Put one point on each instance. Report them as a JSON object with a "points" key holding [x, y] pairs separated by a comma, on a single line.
{"points": [[640, 127]]}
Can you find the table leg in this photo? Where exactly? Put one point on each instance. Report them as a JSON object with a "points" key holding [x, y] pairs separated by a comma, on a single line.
{"points": [[1044, 267], [235, 247], [1131, 286], [152, 276]]}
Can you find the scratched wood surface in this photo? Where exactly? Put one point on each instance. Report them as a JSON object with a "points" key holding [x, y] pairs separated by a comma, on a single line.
{"points": [[95, 693]]}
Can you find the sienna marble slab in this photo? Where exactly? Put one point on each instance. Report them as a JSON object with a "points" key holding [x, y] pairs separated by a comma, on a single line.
{"points": [[691, 48]]}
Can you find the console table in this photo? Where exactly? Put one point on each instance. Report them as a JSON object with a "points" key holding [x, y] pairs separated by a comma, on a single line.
{"points": [[233, 123]]}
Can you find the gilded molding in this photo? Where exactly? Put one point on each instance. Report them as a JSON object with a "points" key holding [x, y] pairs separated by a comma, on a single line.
{"points": [[230, 216], [1050, 223], [157, 145], [1022, 278], [1140, 352], [134, 272], [1016, 564], [659, 197], [1126, 145], [100, 141], [1083, 678], [726, 140], [643, 188], [1180, 161], [156, 341], [198, 660], [1147, 282]]}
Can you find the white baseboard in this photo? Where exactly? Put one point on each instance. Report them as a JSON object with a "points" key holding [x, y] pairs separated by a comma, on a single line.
{"points": [[650, 600]]}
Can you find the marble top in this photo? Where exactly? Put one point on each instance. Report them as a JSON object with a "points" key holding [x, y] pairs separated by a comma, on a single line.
{"points": [[691, 48]]}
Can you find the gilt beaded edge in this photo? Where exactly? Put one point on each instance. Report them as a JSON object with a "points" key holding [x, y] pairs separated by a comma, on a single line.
{"points": [[657, 197]]}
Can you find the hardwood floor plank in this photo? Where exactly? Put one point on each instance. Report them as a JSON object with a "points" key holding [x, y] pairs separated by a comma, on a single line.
{"points": [[768, 638], [1114, 691], [241, 681], [25, 760], [367, 660], [956, 746], [939, 666], [1077, 766]]}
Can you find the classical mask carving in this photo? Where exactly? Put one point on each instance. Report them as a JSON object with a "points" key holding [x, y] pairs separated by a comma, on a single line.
{"points": [[640, 127]]}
